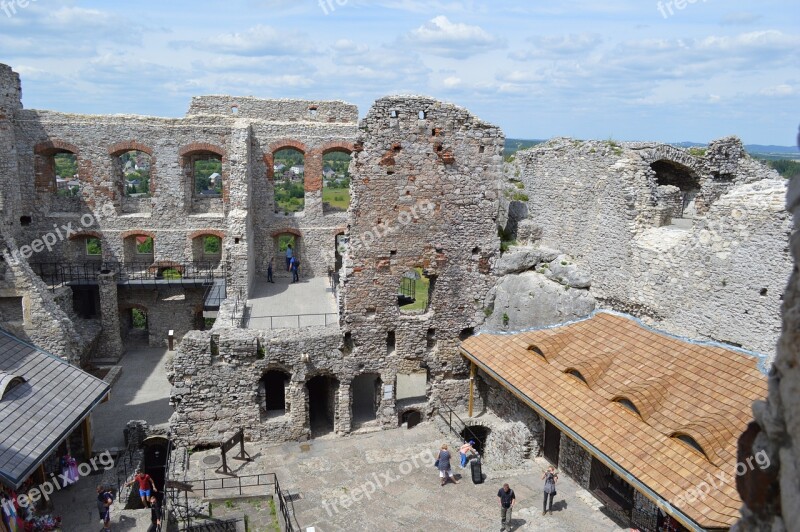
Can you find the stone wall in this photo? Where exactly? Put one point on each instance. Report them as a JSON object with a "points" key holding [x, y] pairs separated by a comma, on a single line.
{"points": [[167, 308], [575, 461], [719, 277], [424, 196], [771, 493]]}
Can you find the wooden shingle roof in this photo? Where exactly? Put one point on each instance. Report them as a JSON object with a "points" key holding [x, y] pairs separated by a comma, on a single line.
{"points": [[679, 388], [39, 412]]}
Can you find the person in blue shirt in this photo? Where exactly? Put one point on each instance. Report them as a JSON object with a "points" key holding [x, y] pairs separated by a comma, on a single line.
{"points": [[289, 254]]}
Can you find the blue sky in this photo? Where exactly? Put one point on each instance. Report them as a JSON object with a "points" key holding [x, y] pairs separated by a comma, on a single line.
{"points": [[627, 70]]}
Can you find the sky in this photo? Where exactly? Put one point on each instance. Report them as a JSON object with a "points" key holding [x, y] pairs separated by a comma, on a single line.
{"points": [[671, 71]]}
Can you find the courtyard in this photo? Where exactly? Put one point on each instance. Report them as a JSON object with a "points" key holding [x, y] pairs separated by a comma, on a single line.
{"points": [[385, 480]]}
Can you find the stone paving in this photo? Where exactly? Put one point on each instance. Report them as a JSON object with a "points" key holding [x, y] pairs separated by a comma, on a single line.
{"points": [[332, 476], [142, 392], [302, 304]]}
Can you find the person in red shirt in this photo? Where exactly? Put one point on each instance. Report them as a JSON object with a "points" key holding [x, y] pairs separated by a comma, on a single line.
{"points": [[145, 483]]}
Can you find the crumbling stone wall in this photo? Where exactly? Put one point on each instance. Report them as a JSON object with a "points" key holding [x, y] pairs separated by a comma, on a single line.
{"points": [[424, 196], [719, 278], [771, 494]]}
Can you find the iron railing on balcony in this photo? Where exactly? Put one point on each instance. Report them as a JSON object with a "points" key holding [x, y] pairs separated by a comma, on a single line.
{"points": [[56, 274]]}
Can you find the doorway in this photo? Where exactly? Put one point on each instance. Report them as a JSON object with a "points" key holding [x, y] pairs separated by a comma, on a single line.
{"points": [[552, 443], [366, 397], [322, 391]]}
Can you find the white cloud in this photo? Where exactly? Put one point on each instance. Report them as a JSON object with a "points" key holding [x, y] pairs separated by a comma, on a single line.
{"points": [[740, 18], [559, 45], [780, 91], [441, 37], [258, 41], [451, 82]]}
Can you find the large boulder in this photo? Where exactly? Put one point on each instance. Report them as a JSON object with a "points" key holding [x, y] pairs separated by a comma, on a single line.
{"points": [[518, 259], [531, 300], [563, 270]]}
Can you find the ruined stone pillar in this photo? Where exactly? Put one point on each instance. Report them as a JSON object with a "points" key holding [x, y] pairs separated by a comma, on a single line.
{"points": [[344, 423], [110, 345]]}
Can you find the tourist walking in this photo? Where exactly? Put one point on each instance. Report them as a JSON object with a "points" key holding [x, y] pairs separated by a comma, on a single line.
{"points": [[145, 483], [289, 254], [550, 478], [155, 514], [104, 501], [443, 464], [269, 271], [466, 450], [507, 499], [294, 266]]}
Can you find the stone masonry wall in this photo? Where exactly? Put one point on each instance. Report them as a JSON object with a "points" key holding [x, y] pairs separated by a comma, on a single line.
{"points": [[424, 189], [720, 278], [771, 494]]}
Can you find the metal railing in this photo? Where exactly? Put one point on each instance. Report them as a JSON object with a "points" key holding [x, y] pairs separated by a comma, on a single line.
{"points": [[239, 308], [328, 319], [449, 420], [238, 485], [56, 274], [165, 500]]}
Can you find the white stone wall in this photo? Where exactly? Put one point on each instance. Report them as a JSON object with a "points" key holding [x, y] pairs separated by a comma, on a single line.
{"points": [[595, 201]]}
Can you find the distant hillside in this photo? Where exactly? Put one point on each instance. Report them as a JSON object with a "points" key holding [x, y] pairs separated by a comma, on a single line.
{"points": [[760, 151], [757, 150], [515, 145]]}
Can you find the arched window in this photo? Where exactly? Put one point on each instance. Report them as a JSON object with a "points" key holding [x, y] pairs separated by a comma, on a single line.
{"points": [[628, 405], [690, 442], [56, 167], [139, 248], [577, 374], [205, 174], [336, 180], [289, 171], [207, 248]]}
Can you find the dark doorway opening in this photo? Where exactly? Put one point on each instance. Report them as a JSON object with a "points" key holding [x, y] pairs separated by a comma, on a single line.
{"points": [[411, 417], [86, 301], [613, 490], [366, 397], [477, 434], [156, 449], [275, 383], [322, 391], [552, 443]]}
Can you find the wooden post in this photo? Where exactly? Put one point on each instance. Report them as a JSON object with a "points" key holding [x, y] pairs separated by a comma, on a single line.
{"points": [[87, 437], [471, 385]]}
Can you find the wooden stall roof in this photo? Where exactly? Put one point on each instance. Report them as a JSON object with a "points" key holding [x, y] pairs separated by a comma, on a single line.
{"points": [[637, 398]]}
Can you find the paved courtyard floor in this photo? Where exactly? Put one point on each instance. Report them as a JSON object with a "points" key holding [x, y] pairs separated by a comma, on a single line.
{"points": [[385, 480], [142, 392]]}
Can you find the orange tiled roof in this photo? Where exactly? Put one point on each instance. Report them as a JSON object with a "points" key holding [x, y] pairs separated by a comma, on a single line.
{"points": [[678, 387]]}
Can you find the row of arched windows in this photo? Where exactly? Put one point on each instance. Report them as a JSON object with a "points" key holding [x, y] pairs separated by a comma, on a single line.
{"points": [[58, 170]]}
